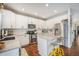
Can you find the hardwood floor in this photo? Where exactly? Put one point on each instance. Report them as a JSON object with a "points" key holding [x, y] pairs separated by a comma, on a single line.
{"points": [[74, 50], [32, 49]]}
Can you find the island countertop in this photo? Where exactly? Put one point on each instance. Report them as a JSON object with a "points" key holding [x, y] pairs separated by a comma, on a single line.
{"points": [[10, 44], [48, 36]]}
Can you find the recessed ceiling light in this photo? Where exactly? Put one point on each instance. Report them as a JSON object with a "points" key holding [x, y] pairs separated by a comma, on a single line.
{"points": [[36, 13], [46, 5], [55, 11], [22, 9], [44, 17]]}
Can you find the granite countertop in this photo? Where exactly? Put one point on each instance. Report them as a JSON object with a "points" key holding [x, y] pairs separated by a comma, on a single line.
{"points": [[51, 39], [48, 36], [10, 44]]}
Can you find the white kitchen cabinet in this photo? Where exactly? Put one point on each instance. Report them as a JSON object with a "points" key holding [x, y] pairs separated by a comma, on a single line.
{"points": [[24, 40], [42, 47], [46, 45], [8, 19], [21, 21], [13, 52], [13, 20], [30, 20], [39, 23], [34, 21], [0, 19], [22, 37]]}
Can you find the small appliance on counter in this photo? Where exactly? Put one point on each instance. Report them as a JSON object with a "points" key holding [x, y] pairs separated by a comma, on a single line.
{"points": [[6, 34], [32, 33]]}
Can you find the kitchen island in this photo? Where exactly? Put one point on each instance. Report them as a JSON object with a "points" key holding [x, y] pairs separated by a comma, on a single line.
{"points": [[12, 48], [46, 43]]}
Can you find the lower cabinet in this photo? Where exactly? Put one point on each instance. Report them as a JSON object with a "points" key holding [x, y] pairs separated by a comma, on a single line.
{"points": [[13, 52], [45, 46], [42, 47]]}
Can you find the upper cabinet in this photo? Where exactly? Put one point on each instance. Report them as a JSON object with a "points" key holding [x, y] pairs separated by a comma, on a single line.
{"points": [[38, 22], [8, 19], [21, 21], [0, 19], [42, 24]]}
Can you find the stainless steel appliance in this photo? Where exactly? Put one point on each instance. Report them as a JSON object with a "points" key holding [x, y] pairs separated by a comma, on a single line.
{"points": [[32, 33]]}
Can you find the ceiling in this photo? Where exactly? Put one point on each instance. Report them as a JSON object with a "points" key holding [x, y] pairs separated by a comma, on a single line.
{"points": [[42, 10]]}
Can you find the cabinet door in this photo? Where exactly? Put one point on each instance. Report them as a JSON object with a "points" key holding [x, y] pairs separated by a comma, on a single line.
{"points": [[39, 23], [8, 19], [33, 21], [5, 19], [0, 20], [24, 40], [42, 46], [12, 52], [25, 22], [12, 20], [21, 21]]}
